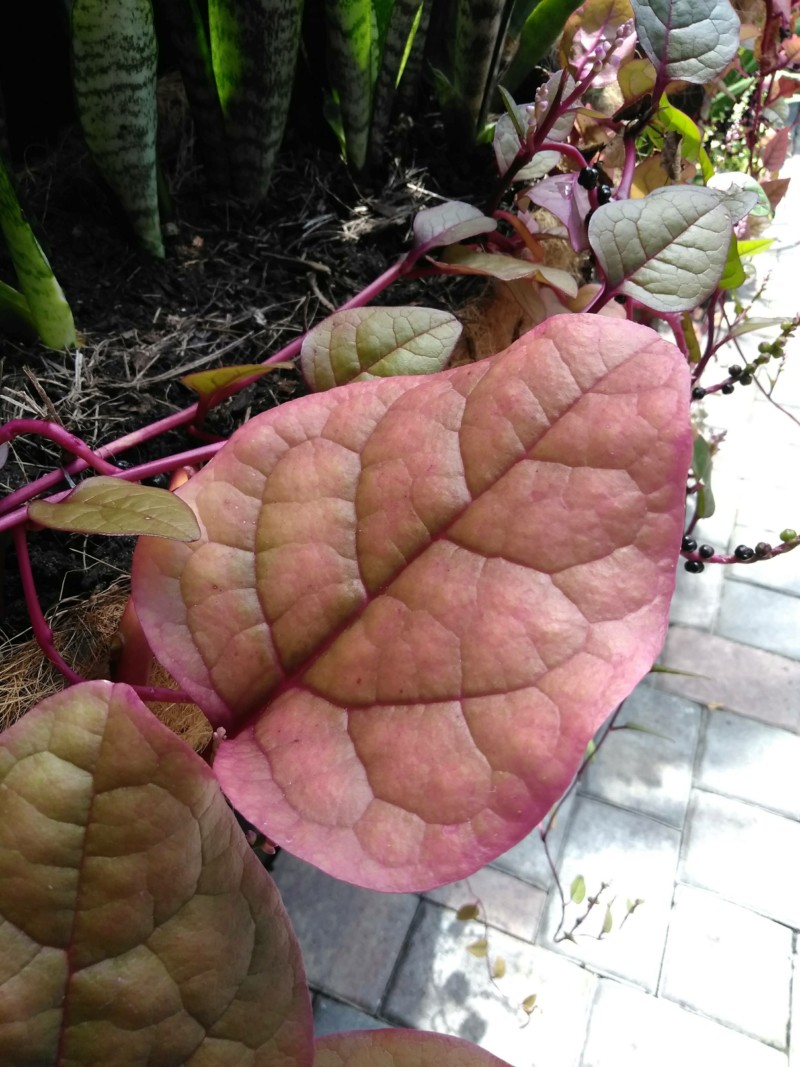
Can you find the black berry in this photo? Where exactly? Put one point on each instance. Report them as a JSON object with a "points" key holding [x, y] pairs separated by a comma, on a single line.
{"points": [[743, 552], [694, 566], [698, 392], [604, 193], [588, 177], [734, 371], [746, 379], [727, 389], [762, 549], [707, 551], [688, 544]]}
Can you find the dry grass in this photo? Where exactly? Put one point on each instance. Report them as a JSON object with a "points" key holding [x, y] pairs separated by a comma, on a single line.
{"points": [[84, 634]]}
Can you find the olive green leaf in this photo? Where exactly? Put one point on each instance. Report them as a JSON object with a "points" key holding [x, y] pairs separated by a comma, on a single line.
{"points": [[448, 223], [117, 508], [364, 343]]}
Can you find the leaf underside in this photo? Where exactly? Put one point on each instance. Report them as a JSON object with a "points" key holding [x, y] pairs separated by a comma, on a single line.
{"points": [[414, 600], [136, 925]]}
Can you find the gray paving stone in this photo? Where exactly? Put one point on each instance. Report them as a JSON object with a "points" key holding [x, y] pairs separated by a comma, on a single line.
{"points": [[794, 1029], [440, 986], [506, 902], [760, 617], [648, 772], [733, 676], [334, 1017], [631, 1029], [350, 937], [744, 853], [727, 962], [751, 761], [697, 596], [638, 857], [528, 861]]}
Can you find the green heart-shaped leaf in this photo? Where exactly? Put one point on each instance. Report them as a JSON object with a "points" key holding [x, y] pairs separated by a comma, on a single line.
{"points": [[375, 342], [450, 222], [118, 508], [668, 250]]}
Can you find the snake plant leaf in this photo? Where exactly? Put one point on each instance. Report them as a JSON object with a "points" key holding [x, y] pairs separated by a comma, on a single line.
{"points": [[114, 58], [353, 49], [403, 24], [478, 24], [42, 302], [186, 22], [415, 599], [254, 46], [377, 342], [668, 250], [400, 1048], [111, 506], [690, 40], [137, 924], [448, 223]]}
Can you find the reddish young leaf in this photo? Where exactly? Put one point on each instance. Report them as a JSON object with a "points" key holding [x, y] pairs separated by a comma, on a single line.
{"points": [[136, 925], [416, 599], [400, 1048]]}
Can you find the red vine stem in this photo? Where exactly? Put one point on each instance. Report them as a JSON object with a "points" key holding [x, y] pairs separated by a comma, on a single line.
{"points": [[44, 635]]}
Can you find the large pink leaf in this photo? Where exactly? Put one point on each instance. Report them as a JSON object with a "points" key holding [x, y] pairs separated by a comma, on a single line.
{"points": [[400, 1048], [136, 926], [415, 600]]}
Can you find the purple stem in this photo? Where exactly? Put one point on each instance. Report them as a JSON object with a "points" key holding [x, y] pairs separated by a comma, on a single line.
{"points": [[69, 442], [44, 635], [132, 474], [187, 415], [626, 181]]}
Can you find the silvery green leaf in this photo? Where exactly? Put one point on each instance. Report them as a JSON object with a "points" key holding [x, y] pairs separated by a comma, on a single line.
{"points": [[742, 194], [667, 250], [448, 223], [693, 40], [528, 117]]}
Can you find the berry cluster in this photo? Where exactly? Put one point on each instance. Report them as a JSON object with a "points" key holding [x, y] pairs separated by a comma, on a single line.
{"points": [[741, 554], [767, 350]]}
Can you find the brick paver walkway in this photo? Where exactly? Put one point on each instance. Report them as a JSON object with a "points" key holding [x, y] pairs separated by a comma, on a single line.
{"points": [[699, 818]]}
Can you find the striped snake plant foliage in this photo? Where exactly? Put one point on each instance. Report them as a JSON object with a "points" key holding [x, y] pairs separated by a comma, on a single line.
{"points": [[369, 44], [254, 45], [186, 24], [114, 56], [480, 27], [41, 304]]}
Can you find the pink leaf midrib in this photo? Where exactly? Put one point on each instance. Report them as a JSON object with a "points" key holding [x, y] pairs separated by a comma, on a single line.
{"points": [[293, 680]]}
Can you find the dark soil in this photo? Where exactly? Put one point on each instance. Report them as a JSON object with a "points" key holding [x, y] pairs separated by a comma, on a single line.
{"points": [[237, 284]]}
